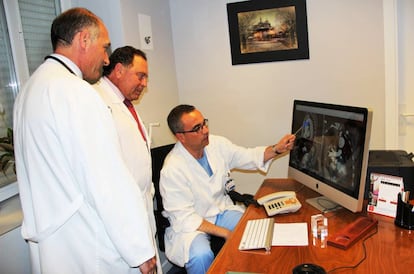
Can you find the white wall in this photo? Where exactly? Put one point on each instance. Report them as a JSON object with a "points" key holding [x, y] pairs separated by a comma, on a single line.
{"points": [[121, 18], [251, 104], [405, 73]]}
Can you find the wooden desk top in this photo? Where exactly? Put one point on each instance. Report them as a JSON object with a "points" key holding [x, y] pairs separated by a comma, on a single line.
{"points": [[390, 250]]}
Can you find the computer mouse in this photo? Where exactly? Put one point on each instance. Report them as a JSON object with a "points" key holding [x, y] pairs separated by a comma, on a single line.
{"points": [[308, 269]]}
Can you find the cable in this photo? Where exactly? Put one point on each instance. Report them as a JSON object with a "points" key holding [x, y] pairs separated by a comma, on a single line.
{"points": [[363, 257]]}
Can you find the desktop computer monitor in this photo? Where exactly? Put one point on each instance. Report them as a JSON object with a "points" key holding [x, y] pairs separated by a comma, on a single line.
{"points": [[330, 154]]}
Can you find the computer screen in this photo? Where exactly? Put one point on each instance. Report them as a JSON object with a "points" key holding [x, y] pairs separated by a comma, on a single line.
{"points": [[330, 154]]}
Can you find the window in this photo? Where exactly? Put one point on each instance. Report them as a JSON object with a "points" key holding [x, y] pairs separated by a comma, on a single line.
{"points": [[37, 17], [24, 42]]}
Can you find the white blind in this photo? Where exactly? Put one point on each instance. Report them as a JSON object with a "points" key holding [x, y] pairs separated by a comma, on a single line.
{"points": [[37, 17]]}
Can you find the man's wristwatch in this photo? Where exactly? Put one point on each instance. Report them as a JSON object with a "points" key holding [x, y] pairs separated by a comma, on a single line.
{"points": [[275, 150]]}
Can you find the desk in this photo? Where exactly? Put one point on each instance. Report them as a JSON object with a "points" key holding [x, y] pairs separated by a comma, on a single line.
{"points": [[391, 250]]}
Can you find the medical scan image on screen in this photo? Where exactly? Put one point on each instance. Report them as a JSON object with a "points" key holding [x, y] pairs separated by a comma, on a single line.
{"points": [[329, 145]]}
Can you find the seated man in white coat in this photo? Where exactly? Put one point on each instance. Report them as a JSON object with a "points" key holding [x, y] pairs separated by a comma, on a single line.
{"points": [[124, 80], [193, 186]]}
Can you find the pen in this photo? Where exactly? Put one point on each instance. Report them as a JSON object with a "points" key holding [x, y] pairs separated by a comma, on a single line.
{"points": [[305, 123], [405, 196], [297, 131]]}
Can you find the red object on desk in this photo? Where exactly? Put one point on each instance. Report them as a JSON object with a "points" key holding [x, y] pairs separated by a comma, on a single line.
{"points": [[352, 232]]}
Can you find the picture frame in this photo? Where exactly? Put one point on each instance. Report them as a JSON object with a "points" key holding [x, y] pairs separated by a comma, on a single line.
{"points": [[267, 31]]}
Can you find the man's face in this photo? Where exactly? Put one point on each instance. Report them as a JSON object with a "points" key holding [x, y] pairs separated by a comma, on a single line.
{"points": [[97, 55], [133, 79], [194, 141]]}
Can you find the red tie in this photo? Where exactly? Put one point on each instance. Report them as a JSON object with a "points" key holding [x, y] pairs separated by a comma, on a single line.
{"points": [[132, 110]]}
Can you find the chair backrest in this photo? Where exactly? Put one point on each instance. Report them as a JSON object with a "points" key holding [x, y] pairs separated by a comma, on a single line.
{"points": [[158, 155]]}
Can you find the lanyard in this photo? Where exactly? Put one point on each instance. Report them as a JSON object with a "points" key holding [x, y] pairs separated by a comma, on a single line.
{"points": [[60, 61]]}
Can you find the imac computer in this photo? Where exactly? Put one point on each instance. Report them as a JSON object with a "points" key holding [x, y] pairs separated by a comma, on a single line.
{"points": [[331, 151]]}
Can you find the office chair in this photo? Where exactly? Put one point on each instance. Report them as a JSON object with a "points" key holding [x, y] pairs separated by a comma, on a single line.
{"points": [[158, 155]]}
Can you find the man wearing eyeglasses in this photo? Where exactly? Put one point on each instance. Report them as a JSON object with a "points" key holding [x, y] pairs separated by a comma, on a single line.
{"points": [[194, 182]]}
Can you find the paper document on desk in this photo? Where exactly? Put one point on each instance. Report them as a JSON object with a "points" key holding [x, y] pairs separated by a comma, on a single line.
{"points": [[383, 194], [290, 234]]}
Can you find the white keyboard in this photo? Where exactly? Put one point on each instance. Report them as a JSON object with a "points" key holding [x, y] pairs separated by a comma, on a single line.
{"points": [[257, 234]]}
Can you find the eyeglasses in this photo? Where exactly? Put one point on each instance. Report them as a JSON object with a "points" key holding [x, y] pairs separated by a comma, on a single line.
{"points": [[142, 76], [197, 128]]}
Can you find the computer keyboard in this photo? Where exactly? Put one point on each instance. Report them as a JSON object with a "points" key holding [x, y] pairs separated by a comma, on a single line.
{"points": [[257, 234]]}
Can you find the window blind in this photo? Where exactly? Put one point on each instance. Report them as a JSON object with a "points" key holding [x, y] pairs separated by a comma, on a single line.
{"points": [[36, 17]]}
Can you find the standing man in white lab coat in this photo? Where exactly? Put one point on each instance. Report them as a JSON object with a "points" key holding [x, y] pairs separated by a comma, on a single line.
{"points": [[123, 81], [79, 200], [194, 185]]}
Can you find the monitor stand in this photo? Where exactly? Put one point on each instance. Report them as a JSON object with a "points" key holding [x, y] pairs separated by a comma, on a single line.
{"points": [[323, 204]]}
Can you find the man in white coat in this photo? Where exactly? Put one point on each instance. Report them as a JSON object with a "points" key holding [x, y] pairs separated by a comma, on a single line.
{"points": [[193, 186], [125, 78], [80, 206]]}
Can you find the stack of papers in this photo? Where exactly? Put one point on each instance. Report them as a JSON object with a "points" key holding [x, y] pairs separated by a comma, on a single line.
{"points": [[290, 234]]}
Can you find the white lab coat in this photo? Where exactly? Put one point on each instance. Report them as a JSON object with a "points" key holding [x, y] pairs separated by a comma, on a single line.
{"points": [[135, 150], [79, 201], [190, 195]]}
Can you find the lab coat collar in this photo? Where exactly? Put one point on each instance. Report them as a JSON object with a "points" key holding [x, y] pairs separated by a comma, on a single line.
{"points": [[76, 70], [119, 98]]}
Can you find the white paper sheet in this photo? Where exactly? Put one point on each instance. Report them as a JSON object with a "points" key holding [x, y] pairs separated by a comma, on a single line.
{"points": [[290, 234]]}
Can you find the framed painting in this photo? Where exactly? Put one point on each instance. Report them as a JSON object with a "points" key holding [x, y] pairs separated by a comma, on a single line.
{"points": [[267, 31]]}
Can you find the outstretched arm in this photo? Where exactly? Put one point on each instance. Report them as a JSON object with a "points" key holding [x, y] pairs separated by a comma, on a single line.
{"points": [[285, 144]]}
